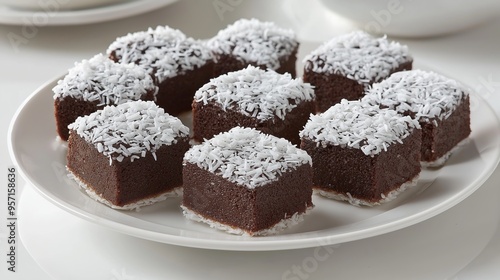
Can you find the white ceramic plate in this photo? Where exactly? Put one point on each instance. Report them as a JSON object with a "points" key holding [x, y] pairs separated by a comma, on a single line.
{"points": [[53, 15], [48, 233], [41, 159]]}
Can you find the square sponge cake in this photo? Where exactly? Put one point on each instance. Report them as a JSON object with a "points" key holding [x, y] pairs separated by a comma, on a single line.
{"points": [[246, 182], [254, 42], [128, 156], [97, 82], [178, 63], [361, 153], [441, 105], [345, 66], [273, 103]]}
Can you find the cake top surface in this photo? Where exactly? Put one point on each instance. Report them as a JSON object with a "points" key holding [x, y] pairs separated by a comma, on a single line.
{"points": [[129, 130], [247, 157], [164, 51], [101, 79], [263, 94], [356, 124], [251, 40], [425, 95], [357, 56]]}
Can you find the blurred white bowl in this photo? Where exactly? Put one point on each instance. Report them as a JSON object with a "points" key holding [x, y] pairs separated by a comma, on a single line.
{"points": [[414, 18], [56, 5]]}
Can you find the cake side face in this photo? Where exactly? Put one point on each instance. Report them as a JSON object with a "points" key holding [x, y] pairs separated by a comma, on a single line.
{"points": [[211, 119], [95, 83], [358, 56], [252, 97], [331, 89], [129, 155], [239, 210], [176, 94], [348, 174], [440, 104], [441, 138], [83, 160], [358, 125], [254, 42], [247, 157], [126, 185]]}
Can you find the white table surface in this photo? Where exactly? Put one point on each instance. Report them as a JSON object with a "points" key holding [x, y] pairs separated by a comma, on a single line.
{"points": [[473, 57]]}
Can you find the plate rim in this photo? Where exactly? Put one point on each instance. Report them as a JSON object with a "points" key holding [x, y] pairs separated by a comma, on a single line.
{"points": [[254, 244], [11, 16]]}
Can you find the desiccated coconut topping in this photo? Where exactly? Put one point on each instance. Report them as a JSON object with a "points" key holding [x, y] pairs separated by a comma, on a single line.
{"points": [[247, 157], [358, 56], [131, 129], [251, 40], [164, 51], [256, 93], [100, 79], [427, 95], [356, 124]]}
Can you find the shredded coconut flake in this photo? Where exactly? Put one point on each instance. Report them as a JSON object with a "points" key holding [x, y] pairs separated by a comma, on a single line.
{"points": [[356, 124], [358, 56], [129, 130], [164, 51], [256, 93], [247, 157], [426, 95], [251, 40], [101, 79]]}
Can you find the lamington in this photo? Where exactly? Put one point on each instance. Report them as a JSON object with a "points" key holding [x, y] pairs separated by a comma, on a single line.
{"points": [[97, 82], [128, 156], [250, 41], [179, 64], [344, 67], [246, 182], [271, 102], [361, 153], [441, 105]]}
